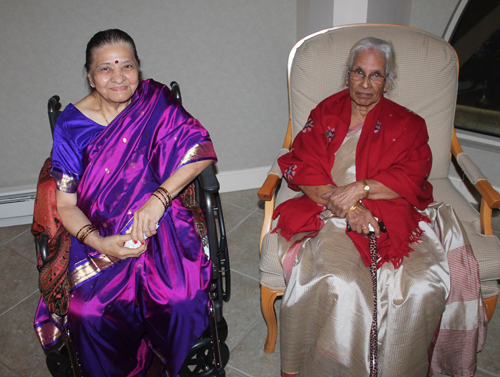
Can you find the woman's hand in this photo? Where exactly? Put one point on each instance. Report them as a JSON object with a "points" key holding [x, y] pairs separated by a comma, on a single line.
{"points": [[146, 218], [113, 245], [359, 219], [341, 199]]}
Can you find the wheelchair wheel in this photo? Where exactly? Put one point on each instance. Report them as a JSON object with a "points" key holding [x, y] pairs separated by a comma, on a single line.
{"points": [[200, 359], [59, 364]]}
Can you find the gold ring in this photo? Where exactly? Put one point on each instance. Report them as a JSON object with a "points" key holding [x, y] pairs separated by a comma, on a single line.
{"points": [[364, 228]]}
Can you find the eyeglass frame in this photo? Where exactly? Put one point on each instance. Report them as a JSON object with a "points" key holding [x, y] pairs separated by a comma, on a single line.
{"points": [[369, 76]]}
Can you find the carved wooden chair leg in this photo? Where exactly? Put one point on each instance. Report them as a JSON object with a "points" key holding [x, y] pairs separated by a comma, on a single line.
{"points": [[267, 299]]}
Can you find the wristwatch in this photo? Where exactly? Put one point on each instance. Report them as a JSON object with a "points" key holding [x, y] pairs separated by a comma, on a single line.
{"points": [[366, 187]]}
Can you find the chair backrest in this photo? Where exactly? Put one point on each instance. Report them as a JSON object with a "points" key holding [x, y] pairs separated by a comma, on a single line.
{"points": [[426, 84]]}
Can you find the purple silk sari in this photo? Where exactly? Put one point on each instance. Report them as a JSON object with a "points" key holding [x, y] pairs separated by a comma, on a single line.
{"points": [[119, 309]]}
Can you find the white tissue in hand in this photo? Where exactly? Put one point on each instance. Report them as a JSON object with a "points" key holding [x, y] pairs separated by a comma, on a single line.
{"points": [[130, 243]]}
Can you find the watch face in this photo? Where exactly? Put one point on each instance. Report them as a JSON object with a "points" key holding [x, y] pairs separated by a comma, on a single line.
{"points": [[366, 188]]}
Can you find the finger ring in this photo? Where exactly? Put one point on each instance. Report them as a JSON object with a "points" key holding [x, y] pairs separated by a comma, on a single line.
{"points": [[364, 227]]}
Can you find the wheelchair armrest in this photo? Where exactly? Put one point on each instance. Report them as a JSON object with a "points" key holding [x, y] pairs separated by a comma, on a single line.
{"points": [[42, 247], [208, 181]]}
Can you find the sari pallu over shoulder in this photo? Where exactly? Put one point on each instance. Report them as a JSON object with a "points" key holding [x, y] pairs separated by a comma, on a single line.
{"points": [[135, 154], [392, 150]]}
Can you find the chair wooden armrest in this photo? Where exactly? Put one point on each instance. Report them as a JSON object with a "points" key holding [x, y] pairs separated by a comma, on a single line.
{"points": [[268, 189], [490, 198]]}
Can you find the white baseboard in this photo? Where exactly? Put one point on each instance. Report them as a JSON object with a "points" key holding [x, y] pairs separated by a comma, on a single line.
{"points": [[16, 205], [237, 180]]}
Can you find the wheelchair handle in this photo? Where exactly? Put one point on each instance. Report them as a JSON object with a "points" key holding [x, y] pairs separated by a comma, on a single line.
{"points": [[52, 103]]}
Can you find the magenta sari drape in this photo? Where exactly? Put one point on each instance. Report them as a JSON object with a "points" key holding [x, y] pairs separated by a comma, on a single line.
{"points": [[119, 309]]}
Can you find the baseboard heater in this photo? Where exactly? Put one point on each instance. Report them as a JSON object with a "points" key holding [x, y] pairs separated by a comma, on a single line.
{"points": [[16, 205]]}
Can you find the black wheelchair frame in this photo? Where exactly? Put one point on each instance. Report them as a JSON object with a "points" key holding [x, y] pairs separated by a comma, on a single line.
{"points": [[210, 354]]}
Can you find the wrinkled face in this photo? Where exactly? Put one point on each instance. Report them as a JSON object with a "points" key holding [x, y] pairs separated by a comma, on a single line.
{"points": [[115, 73], [364, 92]]}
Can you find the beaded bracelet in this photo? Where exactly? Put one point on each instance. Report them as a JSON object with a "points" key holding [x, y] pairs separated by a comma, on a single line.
{"points": [[166, 196], [85, 231], [161, 199]]}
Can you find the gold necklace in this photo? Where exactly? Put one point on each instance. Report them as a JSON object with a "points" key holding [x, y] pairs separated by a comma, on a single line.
{"points": [[100, 108]]}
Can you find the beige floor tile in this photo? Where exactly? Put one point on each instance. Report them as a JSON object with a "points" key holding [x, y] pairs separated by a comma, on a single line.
{"points": [[233, 216], [247, 199], [243, 244], [10, 232], [489, 358], [24, 244], [230, 372], [19, 278], [20, 349], [250, 358], [242, 312], [7, 372]]}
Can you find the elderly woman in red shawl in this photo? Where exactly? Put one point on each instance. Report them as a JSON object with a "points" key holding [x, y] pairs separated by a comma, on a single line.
{"points": [[362, 159]]}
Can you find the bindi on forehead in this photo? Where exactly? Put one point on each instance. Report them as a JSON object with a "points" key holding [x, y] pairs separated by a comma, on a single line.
{"points": [[116, 62]]}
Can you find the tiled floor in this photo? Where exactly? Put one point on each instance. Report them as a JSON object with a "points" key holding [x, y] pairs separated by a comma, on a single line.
{"points": [[21, 355]]}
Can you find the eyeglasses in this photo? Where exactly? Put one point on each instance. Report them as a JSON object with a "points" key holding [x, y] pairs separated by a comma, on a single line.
{"points": [[375, 77]]}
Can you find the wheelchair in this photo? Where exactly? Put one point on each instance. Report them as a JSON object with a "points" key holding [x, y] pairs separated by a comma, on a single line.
{"points": [[210, 354]]}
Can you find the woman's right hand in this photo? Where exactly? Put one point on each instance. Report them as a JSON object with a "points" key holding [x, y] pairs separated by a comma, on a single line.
{"points": [[113, 245], [359, 219]]}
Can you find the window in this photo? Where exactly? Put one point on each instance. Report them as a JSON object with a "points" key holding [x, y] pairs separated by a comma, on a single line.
{"points": [[477, 42]]}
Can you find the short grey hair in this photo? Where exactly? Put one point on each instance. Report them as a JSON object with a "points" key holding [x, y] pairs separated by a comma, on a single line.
{"points": [[384, 47]]}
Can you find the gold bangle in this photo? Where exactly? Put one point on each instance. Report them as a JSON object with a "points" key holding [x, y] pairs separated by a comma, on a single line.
{"points": [[85, 231], [353, 207], [93, 230]]}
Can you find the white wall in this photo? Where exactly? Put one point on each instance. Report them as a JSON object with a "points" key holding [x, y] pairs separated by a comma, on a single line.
{"points": [[313, 15], [229, 57], [437, 17]]}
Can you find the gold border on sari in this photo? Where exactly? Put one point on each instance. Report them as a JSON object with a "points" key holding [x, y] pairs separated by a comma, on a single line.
{"points": [[65, 183], [200, 151], [90, 268], [49, 332]]}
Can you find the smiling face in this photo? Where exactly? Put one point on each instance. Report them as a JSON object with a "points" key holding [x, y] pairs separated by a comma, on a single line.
{"points": [[114, 73], [364, 93]]}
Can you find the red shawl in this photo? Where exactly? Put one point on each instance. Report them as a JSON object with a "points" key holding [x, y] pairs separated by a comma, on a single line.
{"points": [[392, 149]]}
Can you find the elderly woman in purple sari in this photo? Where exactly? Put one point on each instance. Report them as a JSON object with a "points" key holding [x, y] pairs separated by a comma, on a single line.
{"points": [[123, 158]]}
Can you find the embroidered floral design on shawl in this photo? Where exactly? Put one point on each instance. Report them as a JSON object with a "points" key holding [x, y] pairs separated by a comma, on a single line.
{"points": [[330, 133], [309, 125], [290, 172]]}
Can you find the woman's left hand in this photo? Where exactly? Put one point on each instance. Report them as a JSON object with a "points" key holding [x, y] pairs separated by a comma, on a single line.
{"points": [[360, 218], [341, 199], [146, 218]]}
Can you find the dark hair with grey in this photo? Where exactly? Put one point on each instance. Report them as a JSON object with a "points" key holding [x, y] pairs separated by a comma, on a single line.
{"points": [[104, 38], [384, 47]]}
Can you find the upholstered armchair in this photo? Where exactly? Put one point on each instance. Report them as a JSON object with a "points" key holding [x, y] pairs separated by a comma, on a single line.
{"points": [[427, 84]]}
